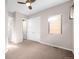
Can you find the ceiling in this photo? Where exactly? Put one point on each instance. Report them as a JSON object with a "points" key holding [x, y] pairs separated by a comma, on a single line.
{"points": [[37, 6]]}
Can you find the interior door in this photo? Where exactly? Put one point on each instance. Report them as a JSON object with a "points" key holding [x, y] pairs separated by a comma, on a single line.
{"points": [[24, 29], [34, 29]]}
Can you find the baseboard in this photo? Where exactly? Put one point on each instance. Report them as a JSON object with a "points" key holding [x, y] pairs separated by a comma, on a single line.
{"points": [[56, 46], [34, 40]]}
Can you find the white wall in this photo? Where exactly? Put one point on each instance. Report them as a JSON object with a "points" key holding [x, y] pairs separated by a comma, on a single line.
{"points": [[65, 40], [6, 27], [10, 20]]}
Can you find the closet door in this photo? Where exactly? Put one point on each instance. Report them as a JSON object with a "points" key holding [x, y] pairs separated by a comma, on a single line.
{"points": [[34, 29], [24, 23]]}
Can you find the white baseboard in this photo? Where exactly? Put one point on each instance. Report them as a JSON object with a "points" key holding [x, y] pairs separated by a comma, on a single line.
{"points": [[57, 46]]}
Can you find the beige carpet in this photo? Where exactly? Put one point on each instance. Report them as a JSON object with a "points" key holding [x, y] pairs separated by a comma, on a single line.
{"points": [[34, 50]]}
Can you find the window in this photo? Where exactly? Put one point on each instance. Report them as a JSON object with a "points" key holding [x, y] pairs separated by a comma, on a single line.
{"points": [[54, 24]]}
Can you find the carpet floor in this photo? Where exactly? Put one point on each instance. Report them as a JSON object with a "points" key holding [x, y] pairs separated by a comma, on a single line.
{"points": [[34, 50]]}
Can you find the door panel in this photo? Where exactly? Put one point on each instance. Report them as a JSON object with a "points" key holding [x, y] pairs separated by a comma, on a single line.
{"points": [[34, 29]]}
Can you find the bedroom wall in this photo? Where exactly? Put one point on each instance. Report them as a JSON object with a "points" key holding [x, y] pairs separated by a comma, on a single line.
{"points": [[6, 27], [65, 40]]}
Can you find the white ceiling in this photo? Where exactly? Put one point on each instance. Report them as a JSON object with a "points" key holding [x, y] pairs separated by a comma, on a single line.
{"points": [[37, 6]]}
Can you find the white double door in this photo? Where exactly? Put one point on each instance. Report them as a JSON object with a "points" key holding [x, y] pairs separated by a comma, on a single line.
{"points": [[33, 32]]}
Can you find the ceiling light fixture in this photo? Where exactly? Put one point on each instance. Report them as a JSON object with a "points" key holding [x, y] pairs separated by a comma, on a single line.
{"points": [[28, 3]]}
